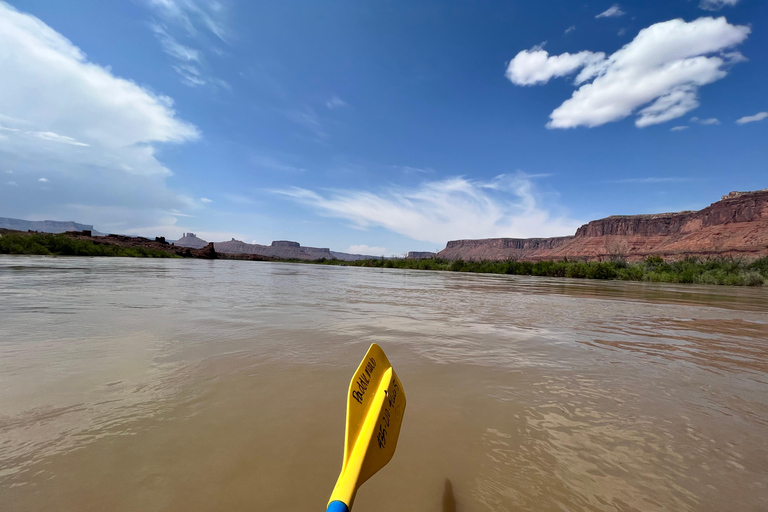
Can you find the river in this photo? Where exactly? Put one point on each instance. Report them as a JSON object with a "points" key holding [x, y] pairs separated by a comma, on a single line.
{"points": [[191, 385]]}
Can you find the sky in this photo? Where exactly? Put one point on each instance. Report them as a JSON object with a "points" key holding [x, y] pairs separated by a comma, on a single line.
{"points": [[377, 127]]}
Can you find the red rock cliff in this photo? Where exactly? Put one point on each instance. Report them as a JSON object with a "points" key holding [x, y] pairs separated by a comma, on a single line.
{"points": [[737, 225]]}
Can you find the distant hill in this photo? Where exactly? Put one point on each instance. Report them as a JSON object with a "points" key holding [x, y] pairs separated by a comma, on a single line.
{"points": [[46, 226]]}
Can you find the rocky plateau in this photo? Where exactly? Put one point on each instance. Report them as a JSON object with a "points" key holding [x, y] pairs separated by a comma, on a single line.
{"points": [[735, 226]]}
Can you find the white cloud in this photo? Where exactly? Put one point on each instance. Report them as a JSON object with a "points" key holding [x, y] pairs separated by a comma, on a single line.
{"points": [[751, 119], [663, 68], [716, 5], [705, 122], [11, 183], [44, 180], [438, 211], [336, 102], [8, 172], [206, 200], [367, 250], [613, 11], [536, 66], [678, 128], [93, 133], [570, 29], [116, 117]]}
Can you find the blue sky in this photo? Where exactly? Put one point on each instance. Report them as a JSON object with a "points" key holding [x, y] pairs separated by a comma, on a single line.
{"points": [[377, 127]]}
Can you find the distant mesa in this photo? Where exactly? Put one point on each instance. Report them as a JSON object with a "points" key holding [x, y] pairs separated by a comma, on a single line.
{"points": [[278, 249], [190, 240], [735, 226], [420, 255], [46, 226]]}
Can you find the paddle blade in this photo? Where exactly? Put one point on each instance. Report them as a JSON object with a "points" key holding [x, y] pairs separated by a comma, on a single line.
{"points": [[386, 430], [375, 406]]}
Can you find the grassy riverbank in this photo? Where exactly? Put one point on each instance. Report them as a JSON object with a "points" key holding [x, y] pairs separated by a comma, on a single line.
{"points": [[721, 271], [62, 245]]}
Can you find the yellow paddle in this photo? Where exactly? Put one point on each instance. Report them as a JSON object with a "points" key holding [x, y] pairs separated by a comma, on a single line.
{"points": [[375, 406]]}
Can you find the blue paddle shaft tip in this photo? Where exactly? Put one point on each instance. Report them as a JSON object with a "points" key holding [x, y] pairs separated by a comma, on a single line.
{"points": [[337, 506]]}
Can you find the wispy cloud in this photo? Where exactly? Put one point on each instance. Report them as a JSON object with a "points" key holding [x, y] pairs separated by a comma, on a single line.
{"points": [[412, 170], [752, 119], [438, 211], [55, 137], [706, 122], [716, 5], [195, 16], [570, 29], [43, 180], [308, 118], [274, 164], [11, 183], [613, 11], [173, 48], [678, 128], [206, 200], [336, 102]]}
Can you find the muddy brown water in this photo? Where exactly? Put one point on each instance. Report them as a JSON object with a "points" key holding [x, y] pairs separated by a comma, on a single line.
{"points": [[130, 384]]}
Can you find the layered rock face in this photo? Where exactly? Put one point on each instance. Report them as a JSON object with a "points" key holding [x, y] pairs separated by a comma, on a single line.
{"points": [[737, 226]]}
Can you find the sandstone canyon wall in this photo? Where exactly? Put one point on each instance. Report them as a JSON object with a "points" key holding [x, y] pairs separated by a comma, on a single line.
{"points": [[736, 226]]}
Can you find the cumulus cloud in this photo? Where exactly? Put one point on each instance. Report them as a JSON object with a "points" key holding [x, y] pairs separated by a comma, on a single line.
{"points": [[117, 118], [662, 68], [716, 5], [536, 66], [613, 11], [752, 119], [438, 211], [95, 133], [367, 250]]}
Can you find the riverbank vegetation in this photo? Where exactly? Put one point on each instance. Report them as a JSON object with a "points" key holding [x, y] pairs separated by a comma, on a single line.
{"points": [[61, 245], [722, 271]]}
